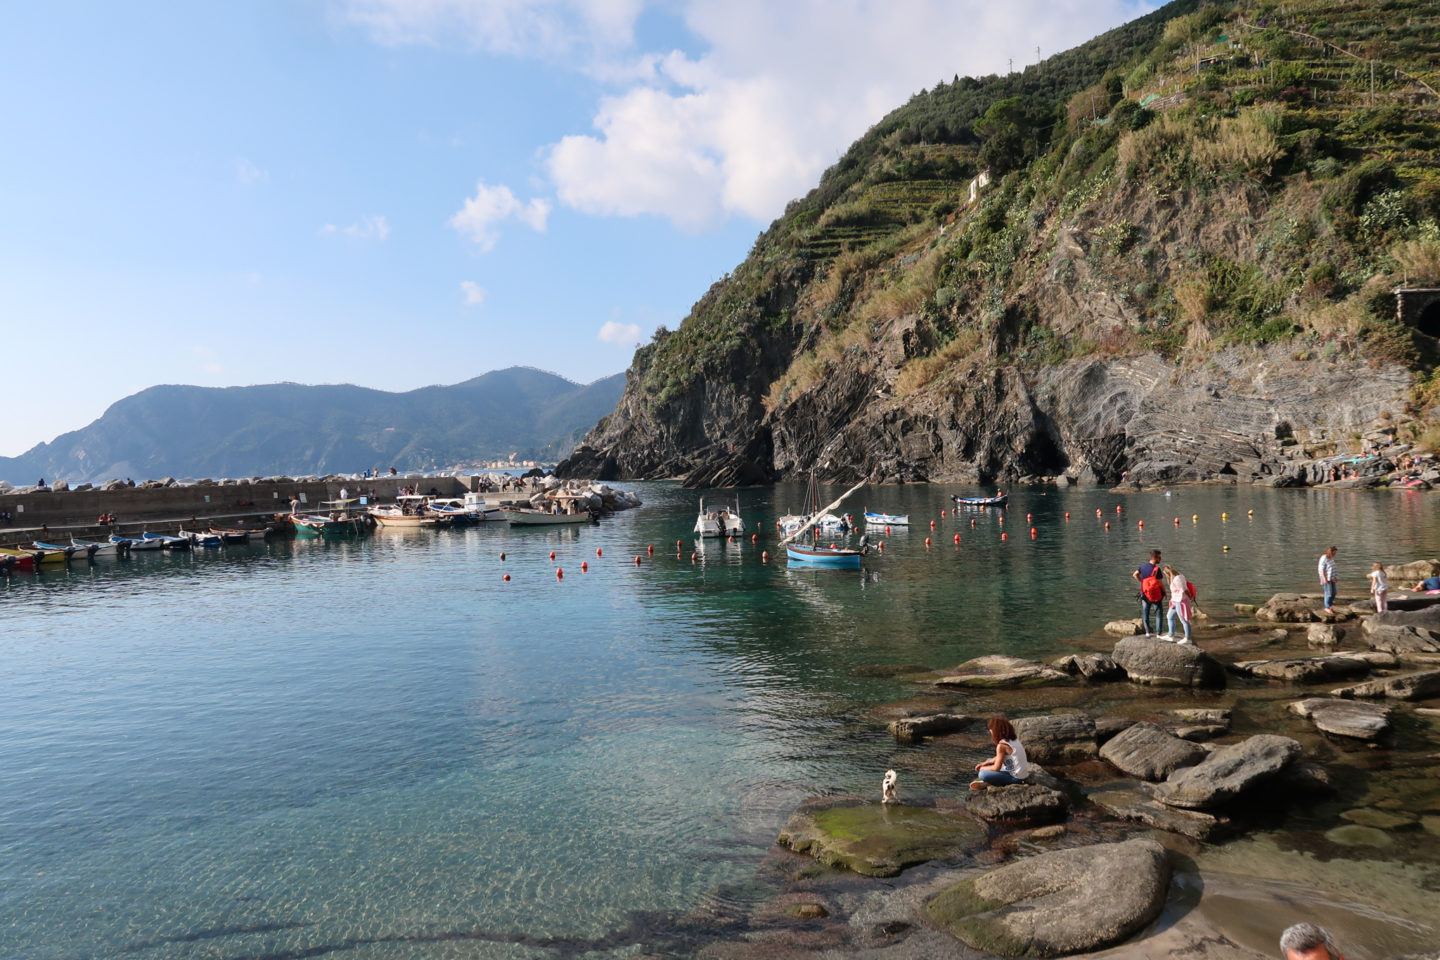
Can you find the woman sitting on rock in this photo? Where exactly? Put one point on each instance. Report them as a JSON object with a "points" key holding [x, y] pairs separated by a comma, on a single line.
{"points": [[1009, 764]]}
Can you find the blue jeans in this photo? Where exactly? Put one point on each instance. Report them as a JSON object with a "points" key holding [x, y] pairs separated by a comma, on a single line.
{"points": [[1145, 607], [1170, 626], [1329, 594], [998, 778]]}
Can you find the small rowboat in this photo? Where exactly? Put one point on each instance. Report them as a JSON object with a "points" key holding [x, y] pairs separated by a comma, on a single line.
{"points": [[203, 539], [132, 543], [999, 501], [70, 552], [167, 542], [98, 550], [17, 559], [843, 558], [887, 519], [236, 534]]}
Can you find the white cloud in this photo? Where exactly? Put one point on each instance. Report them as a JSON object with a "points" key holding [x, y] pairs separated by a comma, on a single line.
{"points": [[477, 219], [206, 357], [474, 293], [782, 89], [369, 228], [623, 334], [248, 174], [769, 95]]}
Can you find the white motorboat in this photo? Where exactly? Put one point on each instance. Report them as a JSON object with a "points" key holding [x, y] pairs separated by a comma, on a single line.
{"points": [[723, 522]]}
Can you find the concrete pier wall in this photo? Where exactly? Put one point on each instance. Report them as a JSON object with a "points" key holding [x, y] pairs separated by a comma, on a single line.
{"points": [[133, 505]]}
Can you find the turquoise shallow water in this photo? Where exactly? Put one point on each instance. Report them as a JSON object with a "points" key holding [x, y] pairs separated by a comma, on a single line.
{"points": [[380, 749]]}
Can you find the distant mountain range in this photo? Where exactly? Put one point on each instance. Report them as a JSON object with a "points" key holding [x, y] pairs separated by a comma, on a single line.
{"points": [[291, 428]]}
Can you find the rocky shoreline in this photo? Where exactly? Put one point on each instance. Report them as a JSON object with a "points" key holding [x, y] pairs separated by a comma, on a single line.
{"points": [[1288, 757]]}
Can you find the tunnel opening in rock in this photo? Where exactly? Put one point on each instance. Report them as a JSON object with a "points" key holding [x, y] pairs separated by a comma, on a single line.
{"points": [[1428, 322]]}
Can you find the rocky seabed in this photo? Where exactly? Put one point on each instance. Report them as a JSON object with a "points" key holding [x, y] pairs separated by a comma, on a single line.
{"points": [[1186, 800]]}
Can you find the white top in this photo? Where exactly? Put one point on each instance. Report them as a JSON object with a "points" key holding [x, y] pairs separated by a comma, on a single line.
{"points": [[1015, 763], [1327, 568], [1382, 584], [1178, 593]]}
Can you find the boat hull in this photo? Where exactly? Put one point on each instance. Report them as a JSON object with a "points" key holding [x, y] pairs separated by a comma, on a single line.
{"points": [[887, 519], [537, 518], [839, 558], [405, 522], [981, 501]]}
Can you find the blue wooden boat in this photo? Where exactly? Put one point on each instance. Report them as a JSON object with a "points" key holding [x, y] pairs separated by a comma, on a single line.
{"points": [[887, 519], [843, 558], [199, 539], [999, 501]]}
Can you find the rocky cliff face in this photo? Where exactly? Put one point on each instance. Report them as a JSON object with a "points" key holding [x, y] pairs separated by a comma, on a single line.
{"points": [[1197, 292]]}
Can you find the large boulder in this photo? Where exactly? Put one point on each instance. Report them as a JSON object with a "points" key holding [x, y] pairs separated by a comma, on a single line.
{"points": [[1150, 752], [1292, 608], [1001, 671], [1307, 669], [1021, 804], [874, 839], [1406, 574], [1344, 718], [1162, 663], [1058, 903], [1419, 685], [1057, 737], [1228, 772]]}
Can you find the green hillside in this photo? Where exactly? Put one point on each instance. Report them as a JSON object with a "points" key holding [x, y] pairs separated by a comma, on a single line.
{"points": [[1209, 177]]}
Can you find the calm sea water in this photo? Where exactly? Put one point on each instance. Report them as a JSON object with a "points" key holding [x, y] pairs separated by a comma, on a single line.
{"points": [[381, 749]]}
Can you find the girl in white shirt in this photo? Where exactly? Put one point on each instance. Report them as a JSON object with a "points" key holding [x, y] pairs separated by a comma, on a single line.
{"points": [[1181, 605], [1009, 765], [1379, 587]]}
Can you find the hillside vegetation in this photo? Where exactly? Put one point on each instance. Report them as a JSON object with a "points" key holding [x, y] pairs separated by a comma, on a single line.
{"points": [[1211, 179]]}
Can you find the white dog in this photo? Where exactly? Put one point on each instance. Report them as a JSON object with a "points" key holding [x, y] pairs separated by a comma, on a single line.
{"points": [[887, 788]]}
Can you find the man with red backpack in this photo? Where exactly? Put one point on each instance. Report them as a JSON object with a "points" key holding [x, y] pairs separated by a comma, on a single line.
{"points": [[1152, 592]]}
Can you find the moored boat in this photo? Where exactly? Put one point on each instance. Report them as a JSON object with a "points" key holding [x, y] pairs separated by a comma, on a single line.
{"points": [[17, 559], [168, 542], [839, 557], [887, 519], [999, 500], [137, 543], [531, 517], [476, 506], [724, 522], [97, 550], [200, 539], [237, 534], [72, 553], [394, 515]]}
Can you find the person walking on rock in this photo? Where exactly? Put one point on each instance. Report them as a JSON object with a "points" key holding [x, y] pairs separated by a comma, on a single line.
{"points": [[1182, 604], [1327, 578], [1152, 592]]}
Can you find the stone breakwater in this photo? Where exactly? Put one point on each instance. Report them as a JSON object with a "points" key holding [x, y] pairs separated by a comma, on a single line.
{"points": [[160, 505], [1288, 761]]}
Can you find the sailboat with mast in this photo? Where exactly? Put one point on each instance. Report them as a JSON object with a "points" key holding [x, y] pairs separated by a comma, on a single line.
{"points": [[814, 554]]}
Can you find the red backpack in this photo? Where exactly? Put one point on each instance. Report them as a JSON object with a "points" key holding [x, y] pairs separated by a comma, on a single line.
{"points": [[1152, 588]]}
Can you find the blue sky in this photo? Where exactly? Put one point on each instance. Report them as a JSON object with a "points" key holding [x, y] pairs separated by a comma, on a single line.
{"points": [[396, 193]]}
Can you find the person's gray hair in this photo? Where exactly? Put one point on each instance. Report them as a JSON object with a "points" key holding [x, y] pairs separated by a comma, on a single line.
{"points": [[1306, 936]]}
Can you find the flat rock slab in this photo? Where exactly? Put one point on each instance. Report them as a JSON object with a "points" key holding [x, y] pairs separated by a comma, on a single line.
{"points": [[1295, 608], [915, 729], [1162, 663], [1137, 805], [1018, 804], [877, 840], [1150, 752], [1001, 671], [1404, 631], [1059, 903], [1092, 666], [1406, 686], [1345, 718], [1308, 669], [1228, 772], [1057, 738]]}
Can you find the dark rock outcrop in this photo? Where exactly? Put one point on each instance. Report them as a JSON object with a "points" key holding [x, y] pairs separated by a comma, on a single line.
{"points": [[1058, 903], [915, 729], [1136, 803]]}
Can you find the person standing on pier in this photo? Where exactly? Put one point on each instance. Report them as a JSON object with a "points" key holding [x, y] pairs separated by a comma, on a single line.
{"points": [[1327, 578]]}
